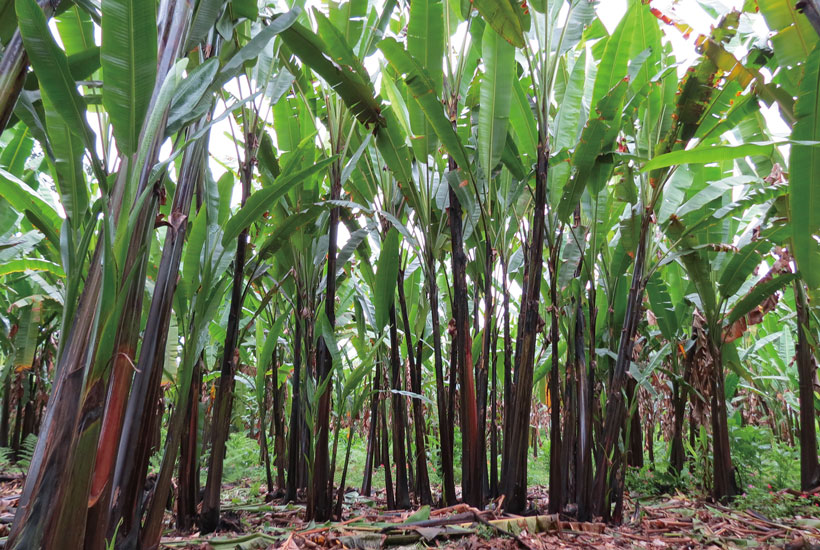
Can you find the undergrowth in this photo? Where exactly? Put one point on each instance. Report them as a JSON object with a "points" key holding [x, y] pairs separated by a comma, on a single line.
{"points": [[8, 463]]}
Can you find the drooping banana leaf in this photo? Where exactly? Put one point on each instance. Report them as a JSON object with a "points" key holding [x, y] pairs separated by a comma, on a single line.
{"points": [[506, 17], [345, 80], [51, 65], [421, 86], [740, 266]]}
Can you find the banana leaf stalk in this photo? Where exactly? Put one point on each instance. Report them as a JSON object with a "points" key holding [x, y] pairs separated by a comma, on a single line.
{"points": [[51, 513], [123, 474]]}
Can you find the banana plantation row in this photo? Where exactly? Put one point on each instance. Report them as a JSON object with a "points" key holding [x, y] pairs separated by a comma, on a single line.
{"points": [[420, 223]]}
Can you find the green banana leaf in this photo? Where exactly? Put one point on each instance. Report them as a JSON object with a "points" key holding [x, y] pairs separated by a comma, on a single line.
{"points": [[129, 62]]}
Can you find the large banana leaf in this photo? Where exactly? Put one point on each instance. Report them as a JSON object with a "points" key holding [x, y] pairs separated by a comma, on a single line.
{"points": [[646, 41], [129, 62], [662, 306], [425, 42], [188, 103], [390, 142], [8, 20], [804, 191], [265, 352], [31, 264], [16, 151], [205, 16], [348, 17], [756, 295], [696, 262], [592, 165], [613, 65], [522, 121], [258, 43], [76, 30], [565, 127], [705, 154], [496, 94], [581, 14], [25, 341]]}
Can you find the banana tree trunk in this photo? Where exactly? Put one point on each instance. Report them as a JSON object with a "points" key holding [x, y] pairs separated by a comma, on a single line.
{"points": [[279, 441], [188, 477], [634, 454], [340, 496], [806, 371], [263, 431], [385, 447], [507, 397], [138, 423], [367, 477], [583, 468], [337, 430], [53, 513], [680, 394], [471, 446], [18, 418], [556, 496], [569, 433], [6, 414], [411, 479], [606, 473], [148, 537], [223, 405], [483, 367], [398, 418], [320, 502], [723, 472], [494, 417], [448, 489], [295, 458], [422, 477], [517, 421]]}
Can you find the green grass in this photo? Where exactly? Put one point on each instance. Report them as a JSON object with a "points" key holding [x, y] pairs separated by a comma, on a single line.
{"points": [[242, 463], [764, 465]]}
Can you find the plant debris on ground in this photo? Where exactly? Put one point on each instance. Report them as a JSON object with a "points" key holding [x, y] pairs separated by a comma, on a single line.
{"points": [[676, 521]]}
